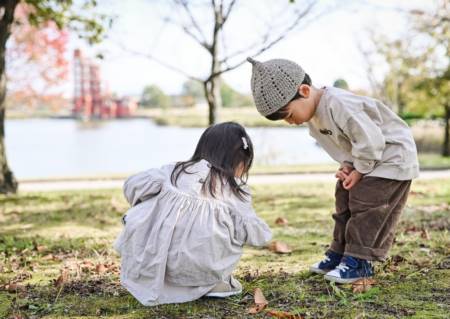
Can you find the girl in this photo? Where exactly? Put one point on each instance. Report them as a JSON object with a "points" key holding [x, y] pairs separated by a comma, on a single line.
{"points": [[188, 221]]}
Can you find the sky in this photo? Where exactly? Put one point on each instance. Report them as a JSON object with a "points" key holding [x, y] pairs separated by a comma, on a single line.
{"points": [[325, 44]]}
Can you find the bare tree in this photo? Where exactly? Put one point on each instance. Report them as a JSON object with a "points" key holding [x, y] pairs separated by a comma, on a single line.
{"points": [[418, 65], [211, 38]]}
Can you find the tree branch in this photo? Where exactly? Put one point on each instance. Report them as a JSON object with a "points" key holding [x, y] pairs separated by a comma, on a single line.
{"points": [[202, 39], [265, 38], [228, 12], [267, 46], [186, 8], [159, 61]]}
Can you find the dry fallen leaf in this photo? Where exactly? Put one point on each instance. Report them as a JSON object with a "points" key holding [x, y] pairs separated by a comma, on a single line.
{"points": [[41, 248], [281, 221], [14, 287], [424, 234], [100, 269], [362, 285], [259, 297], [48, 257], [256, 308], [62, 279], [260, 302], [279, 247], [283, 315]]}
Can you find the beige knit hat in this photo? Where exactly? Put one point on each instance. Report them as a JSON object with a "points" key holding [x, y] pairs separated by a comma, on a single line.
{"points": [[274, 83]]}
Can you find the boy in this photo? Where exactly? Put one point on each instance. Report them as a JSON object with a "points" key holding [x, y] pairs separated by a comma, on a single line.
{"points": [[376, 152]]}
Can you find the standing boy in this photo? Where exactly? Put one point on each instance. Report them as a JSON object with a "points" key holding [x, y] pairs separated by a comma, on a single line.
{"points": [[376, 152]]}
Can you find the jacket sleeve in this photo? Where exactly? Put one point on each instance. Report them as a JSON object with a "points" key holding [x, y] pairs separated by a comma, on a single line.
{"points": [[144, 185], [249, 228], [367, 141]]}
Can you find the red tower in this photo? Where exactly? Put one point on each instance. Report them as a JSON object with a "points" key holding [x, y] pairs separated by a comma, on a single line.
{"points": [[88, 99]]}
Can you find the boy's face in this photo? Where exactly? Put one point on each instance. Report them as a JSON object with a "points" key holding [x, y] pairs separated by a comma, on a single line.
{"points": [[301, 110]]}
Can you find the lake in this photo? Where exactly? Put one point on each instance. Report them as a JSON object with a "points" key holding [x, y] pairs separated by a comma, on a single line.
{"points": [[39, 148]]}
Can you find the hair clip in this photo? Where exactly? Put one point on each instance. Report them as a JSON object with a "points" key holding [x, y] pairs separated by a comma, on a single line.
{"points": [[244, 140]]}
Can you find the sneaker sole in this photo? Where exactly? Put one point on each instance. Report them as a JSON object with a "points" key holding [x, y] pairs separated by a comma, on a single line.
{"points": [[342, 280], [223, 294], [319, 271]]}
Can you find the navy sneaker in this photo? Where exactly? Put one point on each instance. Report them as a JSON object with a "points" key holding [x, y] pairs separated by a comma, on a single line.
{"points": [[330, 262], [349, 270]]}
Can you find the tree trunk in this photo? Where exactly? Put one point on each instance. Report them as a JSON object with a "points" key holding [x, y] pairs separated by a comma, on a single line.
{"points": [[213, 98], [212, 84], [446, 145], [8, 183]]}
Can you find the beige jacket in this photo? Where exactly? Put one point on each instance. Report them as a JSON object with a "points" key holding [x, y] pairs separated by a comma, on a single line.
{"points": [[363, 132], [177, 243]]}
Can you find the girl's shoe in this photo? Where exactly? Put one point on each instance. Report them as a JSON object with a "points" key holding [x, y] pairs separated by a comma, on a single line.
{"points": [[349, 270], [330, 262], [226, 288]]}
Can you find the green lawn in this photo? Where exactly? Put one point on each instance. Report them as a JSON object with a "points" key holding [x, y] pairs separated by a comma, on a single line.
{"points": [[427, 161], [45, 234], [193, 117]]}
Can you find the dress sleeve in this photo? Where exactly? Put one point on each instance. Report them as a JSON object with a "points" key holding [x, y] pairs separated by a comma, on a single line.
{"points": [[144, 185], [249, 228], [367, 140]]}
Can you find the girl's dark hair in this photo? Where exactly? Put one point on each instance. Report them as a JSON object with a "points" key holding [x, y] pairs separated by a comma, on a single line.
{"points": [[223, 147], [282, 112]]}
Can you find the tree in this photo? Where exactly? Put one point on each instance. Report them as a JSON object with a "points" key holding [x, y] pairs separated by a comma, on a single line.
{"points": [[403, 62], [153, 96], [435, 27], [210, 37], [341, 83], [232, 98], [36, 61], [418, 76], [193, 89], [63, 14]]}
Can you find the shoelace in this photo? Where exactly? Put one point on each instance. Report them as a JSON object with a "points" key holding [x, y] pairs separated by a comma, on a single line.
{"points": [[342, 267]]}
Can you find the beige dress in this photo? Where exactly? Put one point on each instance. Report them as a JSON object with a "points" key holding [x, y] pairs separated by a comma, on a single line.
{"points": [[178, 243]]}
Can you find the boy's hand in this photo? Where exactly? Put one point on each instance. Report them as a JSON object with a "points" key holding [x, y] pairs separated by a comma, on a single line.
{"points": [[343, 172], [352, 179]]}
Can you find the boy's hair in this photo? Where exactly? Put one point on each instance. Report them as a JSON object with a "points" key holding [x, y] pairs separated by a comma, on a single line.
{"points": [[282, 112], [223, 146]]}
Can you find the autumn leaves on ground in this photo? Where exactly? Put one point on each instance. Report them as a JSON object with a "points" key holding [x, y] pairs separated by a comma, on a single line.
{"points": [[56, 260]]}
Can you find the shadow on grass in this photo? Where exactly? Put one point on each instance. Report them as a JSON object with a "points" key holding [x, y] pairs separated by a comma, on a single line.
{"points": [[22, 214]]}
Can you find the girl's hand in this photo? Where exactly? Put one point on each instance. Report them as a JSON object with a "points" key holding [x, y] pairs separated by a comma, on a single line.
{"points": [[352, 179]]}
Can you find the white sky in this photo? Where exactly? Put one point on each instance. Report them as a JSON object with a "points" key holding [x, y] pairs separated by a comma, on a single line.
{"points": [[326, 48]]}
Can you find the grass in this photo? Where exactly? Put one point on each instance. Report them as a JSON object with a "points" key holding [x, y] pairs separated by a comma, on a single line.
{"points": [[428, 161], [44, 235], [195, 117]]}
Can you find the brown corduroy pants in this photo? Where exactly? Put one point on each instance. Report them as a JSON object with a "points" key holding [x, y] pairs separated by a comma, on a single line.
{"points": [[367, 215]]}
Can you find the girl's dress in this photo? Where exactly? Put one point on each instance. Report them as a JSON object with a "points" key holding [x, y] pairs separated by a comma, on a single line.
{"points": [[179, 243]]}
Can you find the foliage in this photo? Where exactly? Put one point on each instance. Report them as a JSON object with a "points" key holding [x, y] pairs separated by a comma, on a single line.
{"points": [[232, 98], [153, 96], [36, 60], [194, 89], [341, 83]]}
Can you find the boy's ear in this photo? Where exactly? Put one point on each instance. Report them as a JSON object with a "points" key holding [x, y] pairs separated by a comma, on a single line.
{"points": [[304, 90]]}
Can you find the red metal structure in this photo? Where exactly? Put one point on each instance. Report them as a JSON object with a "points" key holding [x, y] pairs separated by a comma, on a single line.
{"points": [[89, 100]]}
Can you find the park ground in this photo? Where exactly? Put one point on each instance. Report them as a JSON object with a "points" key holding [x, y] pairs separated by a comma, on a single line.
{"points": [[57, 261]]}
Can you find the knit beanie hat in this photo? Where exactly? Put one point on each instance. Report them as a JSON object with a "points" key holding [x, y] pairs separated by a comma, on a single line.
{"points": [[274, 83]]}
